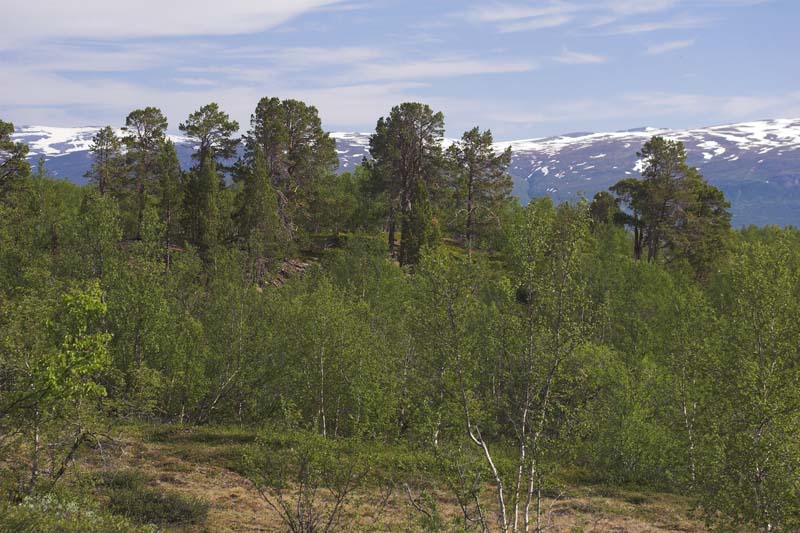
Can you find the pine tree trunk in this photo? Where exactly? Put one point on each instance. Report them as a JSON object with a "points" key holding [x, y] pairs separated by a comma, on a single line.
{"points": [[637, 243], [392, 228], [140, 207], [103, 179], [470, 207], [167, 239]]}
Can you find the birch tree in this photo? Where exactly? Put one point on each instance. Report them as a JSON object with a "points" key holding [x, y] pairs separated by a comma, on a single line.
{"points": [[750, 468], [508, 366]]}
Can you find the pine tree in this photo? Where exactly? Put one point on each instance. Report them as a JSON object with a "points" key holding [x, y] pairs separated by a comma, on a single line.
{"points": [[145, 136], [170, 197], [201, 207], [407, 159], [665, 174], [604, 209], [673, 208], [13, 163], [416, 225], [296, 150], [632, 192], [256, 211], [212, 129], [706, 223], [108, 164], [482, 183]]}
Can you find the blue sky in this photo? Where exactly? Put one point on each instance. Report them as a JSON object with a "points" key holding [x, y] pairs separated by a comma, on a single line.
{"points": [[522, 68]]}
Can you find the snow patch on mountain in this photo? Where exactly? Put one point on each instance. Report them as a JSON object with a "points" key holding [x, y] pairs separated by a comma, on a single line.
{"points": [[52, 141], [351, 147]]}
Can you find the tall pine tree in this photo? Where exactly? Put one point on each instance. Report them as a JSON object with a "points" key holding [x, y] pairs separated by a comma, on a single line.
{"points": [[296, 150], [673, 209], [170, 198], [481, 181], [13, 163], [108, 164], [256, 213], [201, 207], [408, 165], [145, 134], [213, 131]]}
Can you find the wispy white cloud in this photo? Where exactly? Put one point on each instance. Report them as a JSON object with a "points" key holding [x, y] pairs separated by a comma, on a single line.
{"points": [[96, 56], [524, 16], [599, 21], [630, 108], [104, 19], [28, 95], [495, 12], [336, 66], [195, 82], [684, 22], [535, 23], [739, 3], [233, 74], [579, 58], [510, 18], [638, 7], [303, 57], [439, 68], [669, 46], [627, 14]]}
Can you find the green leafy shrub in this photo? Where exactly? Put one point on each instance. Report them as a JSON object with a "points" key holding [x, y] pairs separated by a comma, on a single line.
{"points": [[151, 506], [123, 479], [129, 496], [60, 514]]}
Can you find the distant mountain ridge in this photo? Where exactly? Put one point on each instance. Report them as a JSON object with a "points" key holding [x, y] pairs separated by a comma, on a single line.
{"points": [[756, 164]]}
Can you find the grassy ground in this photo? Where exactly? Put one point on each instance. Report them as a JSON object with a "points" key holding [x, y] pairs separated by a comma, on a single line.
{"points": [[195, 476]]}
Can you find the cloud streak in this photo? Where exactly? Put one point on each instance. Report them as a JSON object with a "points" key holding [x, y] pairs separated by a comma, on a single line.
{"points": [[440, 68], [579, 58], [524, 17], [629, 108], [104, 19], [678, 23], [669, 46], [511, 18], [515, 12], [109, 101]]}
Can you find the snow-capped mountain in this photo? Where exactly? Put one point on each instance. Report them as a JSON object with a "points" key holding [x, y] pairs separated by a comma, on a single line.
{"points": [[756, 164], [66, 150], [352, 149]]}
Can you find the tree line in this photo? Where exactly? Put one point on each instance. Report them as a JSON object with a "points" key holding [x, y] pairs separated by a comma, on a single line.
{"points": [[284, 189], [631, 339]]}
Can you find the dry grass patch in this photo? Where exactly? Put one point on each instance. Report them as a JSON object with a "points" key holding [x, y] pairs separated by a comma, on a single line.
{"points": [[206, 464]]}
